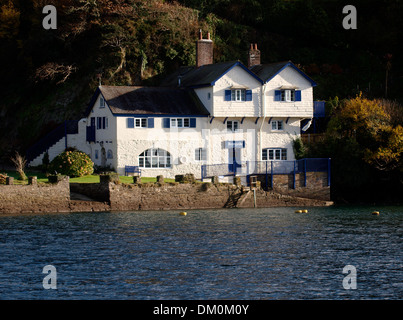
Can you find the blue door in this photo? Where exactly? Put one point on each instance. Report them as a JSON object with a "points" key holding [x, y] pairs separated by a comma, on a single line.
{"points": [[234, 160]]}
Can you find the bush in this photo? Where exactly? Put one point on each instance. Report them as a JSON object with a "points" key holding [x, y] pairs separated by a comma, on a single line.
{"points": [[299, 149], [72, 164]]}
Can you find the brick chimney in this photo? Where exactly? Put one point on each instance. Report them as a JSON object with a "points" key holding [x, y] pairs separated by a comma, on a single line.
{"points": [[204, 50], [253, 55]]}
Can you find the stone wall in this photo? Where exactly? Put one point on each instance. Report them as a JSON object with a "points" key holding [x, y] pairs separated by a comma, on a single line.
{"points": [[316, 185], [111, 196], [169, 196], [35, 198]]}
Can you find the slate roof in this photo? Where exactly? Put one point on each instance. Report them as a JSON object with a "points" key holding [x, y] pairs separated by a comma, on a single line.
{"points": [[267, 71], [150, 101], [205, 75]]}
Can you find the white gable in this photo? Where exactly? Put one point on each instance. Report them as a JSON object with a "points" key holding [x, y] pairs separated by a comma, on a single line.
{"points": [[236, 78], [289, 78]]}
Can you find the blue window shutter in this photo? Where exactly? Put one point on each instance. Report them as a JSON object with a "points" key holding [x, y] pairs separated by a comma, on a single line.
{"points": [[227, 95], [150, 123], [297, 95], [166, 123], [248, 95], [130, 122], [277, 95], [193, 122]]}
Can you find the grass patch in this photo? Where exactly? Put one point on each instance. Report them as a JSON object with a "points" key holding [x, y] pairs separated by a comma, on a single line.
{"points": [[93, 178]]}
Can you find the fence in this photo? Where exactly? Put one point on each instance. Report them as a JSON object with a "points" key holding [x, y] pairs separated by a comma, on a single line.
{"points": [[270, 168]]}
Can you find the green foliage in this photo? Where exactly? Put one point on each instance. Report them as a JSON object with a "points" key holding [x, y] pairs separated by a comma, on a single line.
{"points": [[299, 148], [72, 164], [365, 143]]}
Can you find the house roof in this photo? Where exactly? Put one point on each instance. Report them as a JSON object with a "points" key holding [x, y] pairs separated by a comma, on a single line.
{"points": [[150, 101], [267, 71], [203, 76]]}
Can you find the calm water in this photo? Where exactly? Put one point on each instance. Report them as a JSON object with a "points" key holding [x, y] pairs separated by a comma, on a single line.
{"points": [[271, 253]]}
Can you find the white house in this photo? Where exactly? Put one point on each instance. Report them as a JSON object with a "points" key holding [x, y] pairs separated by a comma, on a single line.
{"points": [[222, 114]]}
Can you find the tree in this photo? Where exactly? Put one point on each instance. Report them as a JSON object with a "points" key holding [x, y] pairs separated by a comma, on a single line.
{"points": [[364, 138], [370, 123]]}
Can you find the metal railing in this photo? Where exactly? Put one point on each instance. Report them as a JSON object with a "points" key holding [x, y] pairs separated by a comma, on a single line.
{"points": [[270, 167]]}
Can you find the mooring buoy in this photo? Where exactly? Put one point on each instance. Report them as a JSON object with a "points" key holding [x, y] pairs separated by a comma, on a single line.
{"points": [[375, 213], [183, 213]]}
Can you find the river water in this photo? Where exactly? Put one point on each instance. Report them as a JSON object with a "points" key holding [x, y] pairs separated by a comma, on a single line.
{"points": [[270, 253]]}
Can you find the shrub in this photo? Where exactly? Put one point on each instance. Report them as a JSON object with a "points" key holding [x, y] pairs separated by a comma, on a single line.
{"points": [[72, 164], [20, 163], [299, 148]]}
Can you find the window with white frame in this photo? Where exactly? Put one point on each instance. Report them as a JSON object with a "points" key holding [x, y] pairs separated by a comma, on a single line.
{"points": [[238, 95], [101, 102], [274, 154], [288, 95], [180, 122], [109, 154], [200, 154], [277, 125], [232, 125], [155, 158], [140, 122]]}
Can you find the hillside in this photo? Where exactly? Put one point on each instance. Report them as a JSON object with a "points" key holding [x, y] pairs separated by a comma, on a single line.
{"points": [[49, 75]]}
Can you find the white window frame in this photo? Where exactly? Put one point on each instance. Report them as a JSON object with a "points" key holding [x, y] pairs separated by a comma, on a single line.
{"points": [[180, 122], [201, 154], [140, 123], [155, 158], [238, 95], [101, 102], [274, 154], [288, 95], [277, 125], [231, 125]]}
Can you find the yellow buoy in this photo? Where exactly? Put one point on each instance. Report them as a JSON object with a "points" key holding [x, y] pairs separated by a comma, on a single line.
{"points": [[305, 211], [375, 213], [298, 211], [183, 213]]}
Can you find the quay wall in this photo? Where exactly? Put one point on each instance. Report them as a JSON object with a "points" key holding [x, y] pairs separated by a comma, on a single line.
{"points": [[116, 196]]}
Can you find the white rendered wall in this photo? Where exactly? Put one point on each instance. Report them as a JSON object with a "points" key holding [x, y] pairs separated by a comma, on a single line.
{"points": [[237, 77], [104, 138], [289, 77], [179, 142]]}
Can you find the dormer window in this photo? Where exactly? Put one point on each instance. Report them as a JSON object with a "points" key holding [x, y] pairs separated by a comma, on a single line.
{"points": [[287, 95], [238, 94]]}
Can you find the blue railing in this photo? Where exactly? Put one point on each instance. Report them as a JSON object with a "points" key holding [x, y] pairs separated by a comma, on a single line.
{"points": [[270, 168], [67, 127], [319, 109]]}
